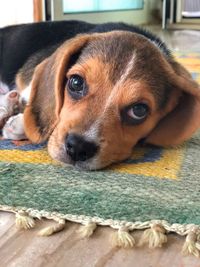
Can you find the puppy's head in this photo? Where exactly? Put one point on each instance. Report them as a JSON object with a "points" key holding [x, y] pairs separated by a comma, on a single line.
{"points": [[99, 94]]}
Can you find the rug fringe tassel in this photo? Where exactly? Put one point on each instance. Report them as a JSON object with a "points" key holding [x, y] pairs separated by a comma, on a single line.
{"points": [[87, 230], [155, 236], [50, 230], [192, 245], [24, 220], [122, 238]]}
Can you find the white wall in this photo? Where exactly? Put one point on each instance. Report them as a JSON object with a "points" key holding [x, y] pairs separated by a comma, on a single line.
{"points": [[15, 12]]}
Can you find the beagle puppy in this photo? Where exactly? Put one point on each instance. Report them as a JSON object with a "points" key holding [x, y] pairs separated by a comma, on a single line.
{"points": [[96, 93]]}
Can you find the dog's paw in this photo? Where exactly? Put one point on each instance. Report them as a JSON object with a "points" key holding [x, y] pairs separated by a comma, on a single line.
{"points": [[14, 128], [9, 106]]}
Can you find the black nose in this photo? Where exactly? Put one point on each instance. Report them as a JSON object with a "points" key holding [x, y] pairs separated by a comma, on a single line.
{"points": [[79, 149]]}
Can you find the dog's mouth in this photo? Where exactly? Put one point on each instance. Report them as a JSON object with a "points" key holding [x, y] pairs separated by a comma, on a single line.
{"points": [[91, 164]]}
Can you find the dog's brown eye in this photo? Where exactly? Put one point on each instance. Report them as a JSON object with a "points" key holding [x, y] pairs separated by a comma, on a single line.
{"points": [[135, 114], [76, 86], [138, 111]]}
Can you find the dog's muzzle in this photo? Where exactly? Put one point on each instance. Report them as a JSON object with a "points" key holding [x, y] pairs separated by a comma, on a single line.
{"points": [[78, 149]]}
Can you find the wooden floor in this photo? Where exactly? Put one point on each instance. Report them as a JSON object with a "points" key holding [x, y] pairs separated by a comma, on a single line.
{"points": [[20, 248], [65, 249]]}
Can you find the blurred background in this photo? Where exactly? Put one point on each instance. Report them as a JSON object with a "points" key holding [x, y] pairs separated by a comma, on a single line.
{"points": [[177, 22], [170, 14]]}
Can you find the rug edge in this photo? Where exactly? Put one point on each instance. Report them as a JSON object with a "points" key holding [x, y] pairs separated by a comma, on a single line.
{"points": [[154, 235]]}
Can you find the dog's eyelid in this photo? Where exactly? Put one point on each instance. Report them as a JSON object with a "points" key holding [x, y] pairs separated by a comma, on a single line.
{"points": [[70, 74], [75, 71], [139, 100]]}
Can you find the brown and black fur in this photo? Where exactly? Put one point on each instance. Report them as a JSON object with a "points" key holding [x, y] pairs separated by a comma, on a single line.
{"points": [[19, 43], [121, 65]]}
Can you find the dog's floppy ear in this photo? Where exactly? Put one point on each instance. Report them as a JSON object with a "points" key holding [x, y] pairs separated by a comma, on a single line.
{"points": [[42, 111], [184, 120]]}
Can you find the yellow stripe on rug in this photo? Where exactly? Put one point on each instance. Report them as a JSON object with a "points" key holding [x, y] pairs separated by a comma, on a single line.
{"points": [[20, 156], [167, 166]]}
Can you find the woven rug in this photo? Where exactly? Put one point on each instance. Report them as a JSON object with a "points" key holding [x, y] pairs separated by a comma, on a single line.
{"points": [[157, 190]]}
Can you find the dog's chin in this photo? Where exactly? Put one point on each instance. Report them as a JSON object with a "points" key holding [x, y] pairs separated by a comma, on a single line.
{"points": [[88, 165]]}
